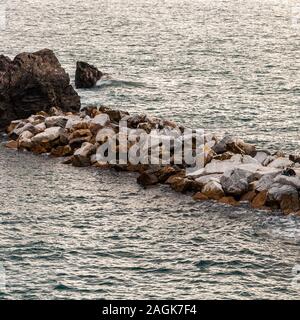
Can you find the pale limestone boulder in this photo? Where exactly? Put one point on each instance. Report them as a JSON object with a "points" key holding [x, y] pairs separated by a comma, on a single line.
{"points": [[101, 119], [277, 191], [24, 140], [41, 127], [215, 167], [36, 119], [246, 159], [291, 181], [280, 163], [264, 183], [50, 134], [72, 121], [213, 190], [261, 156], [22, 127], [211, 177], [56, 121]]}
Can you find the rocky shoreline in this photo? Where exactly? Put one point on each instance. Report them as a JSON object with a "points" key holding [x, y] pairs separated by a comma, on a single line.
{"points": [[35, 89]]}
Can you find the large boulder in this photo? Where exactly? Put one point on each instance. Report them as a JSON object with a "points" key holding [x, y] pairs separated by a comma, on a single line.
{"points": [[86, 75], [49, 135], [236, 181], [229, 143], [34, 82]]}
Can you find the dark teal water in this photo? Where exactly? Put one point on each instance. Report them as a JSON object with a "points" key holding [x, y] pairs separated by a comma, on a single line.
{"points": [[80, 233]]}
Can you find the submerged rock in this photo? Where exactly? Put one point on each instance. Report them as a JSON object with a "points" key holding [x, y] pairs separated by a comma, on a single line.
{"points": [[229, 200], [34, 82], [199, 196], [147, 179], [86, 75]]}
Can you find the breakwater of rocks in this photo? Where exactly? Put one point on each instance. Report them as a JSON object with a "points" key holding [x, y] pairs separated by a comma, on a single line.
{"points": [[205, 166]]}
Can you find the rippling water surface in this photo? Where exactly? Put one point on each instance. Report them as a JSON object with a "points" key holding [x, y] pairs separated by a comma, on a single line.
{"points": [[80, 233]]}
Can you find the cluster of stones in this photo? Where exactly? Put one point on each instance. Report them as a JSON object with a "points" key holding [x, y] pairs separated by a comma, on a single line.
{"points": [[233, 171]]}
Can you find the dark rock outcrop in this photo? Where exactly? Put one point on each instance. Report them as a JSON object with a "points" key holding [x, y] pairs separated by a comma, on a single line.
{"points": [[34, 82], [86, 75]]}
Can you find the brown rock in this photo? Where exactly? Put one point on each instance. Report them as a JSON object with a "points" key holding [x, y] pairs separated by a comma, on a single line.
{"points": [[61, 151], [77, 142], [165, 173], [289, 204], [137, 167], [249, 196], [81, 125], [94, 128], [12, 144], [42, 113], [224, 156], [39, 149], [102, 165], [116, 115], [173, 178], [183, 185], [147, 179], [260, 200], [200, 197], [80, 133], [229, 200]]}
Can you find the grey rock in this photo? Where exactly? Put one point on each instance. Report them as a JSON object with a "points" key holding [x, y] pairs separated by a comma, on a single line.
{"points": [[56, 121]]}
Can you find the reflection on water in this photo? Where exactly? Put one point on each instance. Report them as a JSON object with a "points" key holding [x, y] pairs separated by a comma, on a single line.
{"points": [[71, 232]]}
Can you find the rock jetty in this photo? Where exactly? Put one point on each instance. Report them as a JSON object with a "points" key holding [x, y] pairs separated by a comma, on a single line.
{"points": [[227, 169]]}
